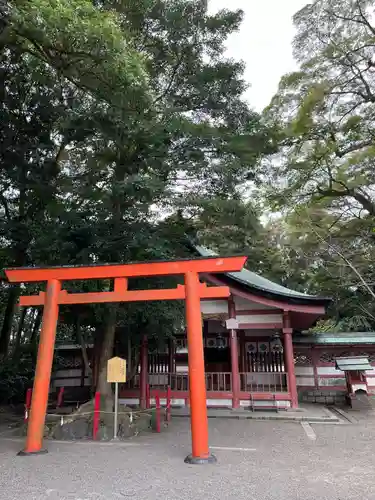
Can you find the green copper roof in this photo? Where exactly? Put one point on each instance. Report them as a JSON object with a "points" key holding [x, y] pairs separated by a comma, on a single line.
{"points": [[345, 338], [353, 363], [252, 280]]}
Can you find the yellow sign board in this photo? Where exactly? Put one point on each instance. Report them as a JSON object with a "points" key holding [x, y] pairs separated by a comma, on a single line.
{"points": [[116, 370]]}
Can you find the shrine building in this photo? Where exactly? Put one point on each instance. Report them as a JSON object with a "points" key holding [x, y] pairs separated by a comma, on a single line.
{"points": [[262, 361], [250, 359]]}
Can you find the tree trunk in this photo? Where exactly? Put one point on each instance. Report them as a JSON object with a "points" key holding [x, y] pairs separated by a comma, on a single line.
{"points": [[10, 309], [129, 355], [134, 369], [104, 387], [82, 343], [34, 335], [98, 338], [17, 343]]}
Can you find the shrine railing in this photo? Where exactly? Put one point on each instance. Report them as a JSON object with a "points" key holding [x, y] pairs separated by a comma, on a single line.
{"points": [[217, 381], [263, 382]]}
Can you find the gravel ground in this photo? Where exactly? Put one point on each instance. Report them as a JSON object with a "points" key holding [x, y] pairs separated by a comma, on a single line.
{"points": [[277, 461]]}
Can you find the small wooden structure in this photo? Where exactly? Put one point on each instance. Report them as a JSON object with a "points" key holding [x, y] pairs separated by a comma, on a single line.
{"points": [[355, 368], [318, 378]]}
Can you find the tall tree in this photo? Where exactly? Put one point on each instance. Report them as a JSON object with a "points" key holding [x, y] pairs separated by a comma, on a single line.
{"points": [[187, 149], [323, 175], [325, 111], [54, 82], [119, 142]]}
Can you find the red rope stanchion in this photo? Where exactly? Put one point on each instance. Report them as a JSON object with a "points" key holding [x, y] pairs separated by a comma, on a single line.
{"points": [[158, 413], [60, 397], [148, 397], [96, 415], [29, 394], [169, 402]]}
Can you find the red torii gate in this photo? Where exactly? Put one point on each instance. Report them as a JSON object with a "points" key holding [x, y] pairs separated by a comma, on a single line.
{"points": [[192, 291]]}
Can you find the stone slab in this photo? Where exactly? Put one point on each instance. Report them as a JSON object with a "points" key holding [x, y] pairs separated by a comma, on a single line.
{"points": [[314, 415]]}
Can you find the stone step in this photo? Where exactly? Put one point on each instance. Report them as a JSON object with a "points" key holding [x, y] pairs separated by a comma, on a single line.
{"points": [[362, 402]]}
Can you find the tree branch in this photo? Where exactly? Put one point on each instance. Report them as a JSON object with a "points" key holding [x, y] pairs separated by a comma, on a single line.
{"points": [[169, 86], [364, 18], [4, 202], [344, 258]]}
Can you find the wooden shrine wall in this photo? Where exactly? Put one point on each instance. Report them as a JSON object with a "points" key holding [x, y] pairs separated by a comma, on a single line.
{"points": [[315, 366]]}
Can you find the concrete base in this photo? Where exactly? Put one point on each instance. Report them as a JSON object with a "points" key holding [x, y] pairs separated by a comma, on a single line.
{"points": [[31, 453], [211, 459], [323, 396], [307, 413]]}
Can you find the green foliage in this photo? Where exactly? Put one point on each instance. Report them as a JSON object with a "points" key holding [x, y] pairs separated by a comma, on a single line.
{"points": [[15, 379], [84, 44], [357, 323], [124, 128], [326, 109], [322, 178]]}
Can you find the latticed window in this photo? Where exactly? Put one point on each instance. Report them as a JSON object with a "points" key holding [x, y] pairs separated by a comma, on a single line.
{"points": [[327, 357], [302, 359], [345, 354], [69, 362]]}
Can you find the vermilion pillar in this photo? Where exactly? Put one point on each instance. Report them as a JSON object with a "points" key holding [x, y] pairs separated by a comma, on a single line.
{"points": [[144, 373], [35, 430], [234, 357], [289, 361], [197, 383]]}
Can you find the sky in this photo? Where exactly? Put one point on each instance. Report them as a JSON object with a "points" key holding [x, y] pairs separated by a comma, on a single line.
{"points": [[263, 43]]}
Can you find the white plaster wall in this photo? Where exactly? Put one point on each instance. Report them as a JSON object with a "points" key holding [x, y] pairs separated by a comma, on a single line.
{"points": [[259, 318], [326, 382], [263, 378], [177, 402], [182, 369], [305, 381], [243, 304], [221, 306], [214, 307], [129, 401], [211, 402], [163, 401], [304, 370], [260, 404], [158, 379], [329, 370], [219, 402]]}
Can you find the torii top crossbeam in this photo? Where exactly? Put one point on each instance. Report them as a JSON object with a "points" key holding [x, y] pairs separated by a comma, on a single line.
{"points": [[137, 269], [120, 273]]}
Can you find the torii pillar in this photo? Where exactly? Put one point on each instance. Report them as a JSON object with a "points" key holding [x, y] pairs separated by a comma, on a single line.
{"points": [[197, 380], [39, 402]]}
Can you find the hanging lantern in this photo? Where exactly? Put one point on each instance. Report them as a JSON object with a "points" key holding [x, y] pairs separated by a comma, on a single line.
{"points": [[221, 342], [276, 344]]}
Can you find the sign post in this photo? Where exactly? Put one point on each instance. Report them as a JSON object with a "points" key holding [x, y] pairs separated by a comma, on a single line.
{"points": [[116, 372]]}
